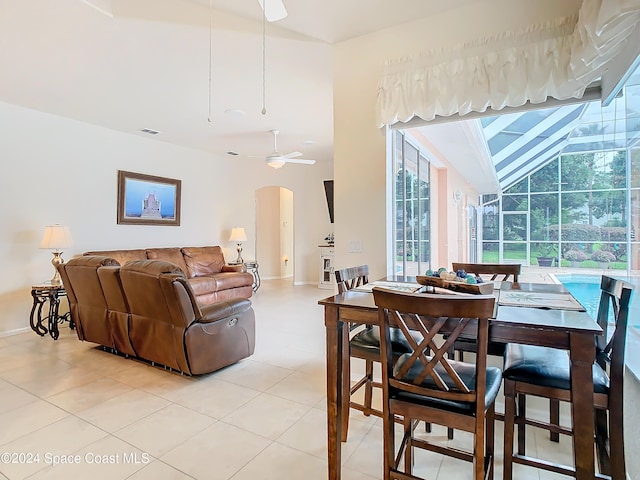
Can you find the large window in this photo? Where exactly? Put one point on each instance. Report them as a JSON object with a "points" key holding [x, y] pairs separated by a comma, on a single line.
{"points": [[579, 205], [573, 210], [411, 208]]}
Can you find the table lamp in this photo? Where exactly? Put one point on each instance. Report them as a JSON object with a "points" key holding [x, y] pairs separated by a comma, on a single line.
{"points": [[238, 236], [56, 237]]}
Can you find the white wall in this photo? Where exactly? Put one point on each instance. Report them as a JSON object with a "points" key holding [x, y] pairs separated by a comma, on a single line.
{"points": [[268, 231], [58, 170], [359, 145], [287, 244], [275, 232]]}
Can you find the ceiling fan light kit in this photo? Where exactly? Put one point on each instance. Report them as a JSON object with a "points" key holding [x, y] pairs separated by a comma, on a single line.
{"points": [[275, 163], [277, 160]]}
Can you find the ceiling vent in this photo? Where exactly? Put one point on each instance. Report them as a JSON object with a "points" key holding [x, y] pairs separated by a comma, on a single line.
{"points": [[149, 131]]}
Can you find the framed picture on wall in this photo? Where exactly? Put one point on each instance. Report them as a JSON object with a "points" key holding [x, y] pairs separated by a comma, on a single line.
{"points": [[147, 199]]}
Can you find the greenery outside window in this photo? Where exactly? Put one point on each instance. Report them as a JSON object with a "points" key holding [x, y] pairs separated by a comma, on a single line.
{"points": [[411, 207]]}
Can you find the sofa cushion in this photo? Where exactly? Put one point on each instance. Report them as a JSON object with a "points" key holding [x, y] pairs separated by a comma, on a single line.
{"points": [[220, 281], [203, 261], [172, 255], [122, 256]]}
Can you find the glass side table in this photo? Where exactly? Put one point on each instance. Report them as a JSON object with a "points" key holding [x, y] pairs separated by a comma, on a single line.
{"points": [[43, 293], [252, 268]]}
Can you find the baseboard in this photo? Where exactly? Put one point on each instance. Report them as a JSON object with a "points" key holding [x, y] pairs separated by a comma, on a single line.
{"points": [[17, 331]]}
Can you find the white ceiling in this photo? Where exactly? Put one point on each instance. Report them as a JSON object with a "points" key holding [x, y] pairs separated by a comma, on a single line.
{"points": [[148, 66], [333, 21]]}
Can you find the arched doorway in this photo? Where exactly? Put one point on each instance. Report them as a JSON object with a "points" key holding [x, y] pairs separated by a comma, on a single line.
{"points": [[274, 232]]}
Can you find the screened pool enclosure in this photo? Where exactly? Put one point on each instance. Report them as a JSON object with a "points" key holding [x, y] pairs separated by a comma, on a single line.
{"points": [[570, 180], [568, 195]]}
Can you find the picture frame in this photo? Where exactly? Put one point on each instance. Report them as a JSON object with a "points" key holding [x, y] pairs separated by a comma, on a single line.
{"points": [[148, 199]]}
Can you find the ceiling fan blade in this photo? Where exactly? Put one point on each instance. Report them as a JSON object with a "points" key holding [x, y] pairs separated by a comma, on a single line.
{"points": [[301, 160], [275, 10], [292, 155]]}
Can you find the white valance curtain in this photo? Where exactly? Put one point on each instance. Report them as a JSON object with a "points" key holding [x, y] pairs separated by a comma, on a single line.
{"points": [[556, 59]]}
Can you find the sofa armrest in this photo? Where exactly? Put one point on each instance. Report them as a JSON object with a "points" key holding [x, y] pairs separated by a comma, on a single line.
{"points": [[220, 310], [242, 268]]}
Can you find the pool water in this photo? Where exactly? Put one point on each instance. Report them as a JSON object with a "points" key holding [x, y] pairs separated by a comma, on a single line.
{"points": [[585, 289]]}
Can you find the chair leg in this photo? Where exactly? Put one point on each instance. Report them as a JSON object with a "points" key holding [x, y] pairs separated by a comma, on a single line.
{"points": [[479, 448], [509, 417], [554, 418], [602, 442], [616, 443], [388, 434], [368, 388], [408, 453], [490, 439], [522, 414], [346, 388]]}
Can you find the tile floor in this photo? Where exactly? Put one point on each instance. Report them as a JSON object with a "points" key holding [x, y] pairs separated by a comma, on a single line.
{"points": [[102, 416]]}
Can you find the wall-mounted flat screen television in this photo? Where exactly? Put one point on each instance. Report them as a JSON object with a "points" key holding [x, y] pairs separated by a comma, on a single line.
{"points": [[328, 190]]}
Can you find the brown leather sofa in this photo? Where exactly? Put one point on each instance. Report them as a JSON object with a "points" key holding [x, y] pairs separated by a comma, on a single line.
{"points": [[148, 309], [210, 277]]}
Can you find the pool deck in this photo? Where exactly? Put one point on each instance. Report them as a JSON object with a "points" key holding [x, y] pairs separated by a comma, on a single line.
{"points": [[548, 274]]}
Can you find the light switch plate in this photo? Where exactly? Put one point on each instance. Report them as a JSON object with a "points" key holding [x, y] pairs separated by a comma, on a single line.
{"points": [[355, 246]]}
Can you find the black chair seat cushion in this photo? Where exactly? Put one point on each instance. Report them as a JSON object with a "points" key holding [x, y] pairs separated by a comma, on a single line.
{"points": [[368, 341], [466, 372], [547, 367]]}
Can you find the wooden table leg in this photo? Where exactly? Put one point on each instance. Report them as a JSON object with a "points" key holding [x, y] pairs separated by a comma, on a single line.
{"points": [[582, 354], [346, 385], [334, 333]]}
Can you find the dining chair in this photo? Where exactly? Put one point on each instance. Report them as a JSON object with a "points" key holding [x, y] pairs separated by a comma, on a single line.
{"points": [[501, 272], [425, 385], [544, 372], [363, 342]]}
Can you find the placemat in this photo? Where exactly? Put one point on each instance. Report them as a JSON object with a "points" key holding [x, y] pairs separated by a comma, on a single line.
{"points": [[555, 301], [400, 286]]}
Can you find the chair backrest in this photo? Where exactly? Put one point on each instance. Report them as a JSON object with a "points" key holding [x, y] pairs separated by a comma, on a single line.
{"points": [[503, 272], [162, 306], [428, 371], [615, 296], [118, 314], [348, 278], [87, 302]]}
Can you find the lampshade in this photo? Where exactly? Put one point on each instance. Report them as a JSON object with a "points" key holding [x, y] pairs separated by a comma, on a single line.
{"points": [[238, 235], [56, 237]]}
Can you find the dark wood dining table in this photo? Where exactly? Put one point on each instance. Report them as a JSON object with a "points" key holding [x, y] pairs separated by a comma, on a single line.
{"points": [[574, 331]]}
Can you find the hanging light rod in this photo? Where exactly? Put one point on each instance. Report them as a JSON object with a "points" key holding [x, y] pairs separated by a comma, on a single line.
{"points": [[210, 56]]}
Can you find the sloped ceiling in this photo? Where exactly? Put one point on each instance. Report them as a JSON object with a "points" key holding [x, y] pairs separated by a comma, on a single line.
{"points": [[157, 64]]}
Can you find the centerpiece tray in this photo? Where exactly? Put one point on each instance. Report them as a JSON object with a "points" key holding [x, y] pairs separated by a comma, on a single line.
{"points": [[485, 288]]}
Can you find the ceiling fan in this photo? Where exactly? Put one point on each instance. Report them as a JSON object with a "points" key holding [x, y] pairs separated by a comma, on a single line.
{"points": [[277, 160]]}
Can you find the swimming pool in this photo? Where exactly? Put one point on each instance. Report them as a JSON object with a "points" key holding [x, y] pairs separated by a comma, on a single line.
{"points": [[586, 289]]}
